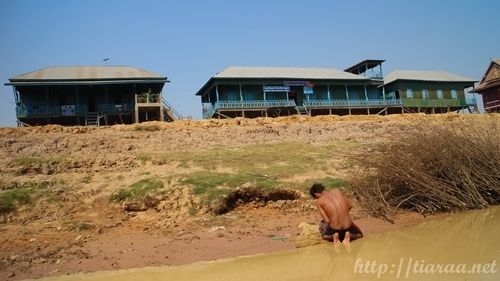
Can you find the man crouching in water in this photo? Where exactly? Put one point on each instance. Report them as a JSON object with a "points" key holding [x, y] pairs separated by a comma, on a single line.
{"points": [[334, 207]]}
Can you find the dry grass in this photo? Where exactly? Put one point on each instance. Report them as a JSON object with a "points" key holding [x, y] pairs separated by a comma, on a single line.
{"points": [[434, 168]]}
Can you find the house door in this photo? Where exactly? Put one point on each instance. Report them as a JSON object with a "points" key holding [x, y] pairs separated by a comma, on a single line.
{"points": [[293, 96], [91, 104]]}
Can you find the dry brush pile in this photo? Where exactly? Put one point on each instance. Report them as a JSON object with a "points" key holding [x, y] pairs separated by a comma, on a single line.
{"points": [[436, 167]]}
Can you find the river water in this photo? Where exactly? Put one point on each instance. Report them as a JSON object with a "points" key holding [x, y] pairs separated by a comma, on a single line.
{"points": [[462, 246]]}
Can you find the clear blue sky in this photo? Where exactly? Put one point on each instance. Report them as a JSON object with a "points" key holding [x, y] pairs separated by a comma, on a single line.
{"points": [[189, 41]]}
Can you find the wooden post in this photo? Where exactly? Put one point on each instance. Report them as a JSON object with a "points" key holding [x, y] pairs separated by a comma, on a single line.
{"points": [[216, 93], [136, 110], [241, 94], [366, 93], [47, 100], [106, 98], [346, 92], [328, 93]]}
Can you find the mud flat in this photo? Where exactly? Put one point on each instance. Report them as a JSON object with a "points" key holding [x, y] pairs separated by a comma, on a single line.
{"points": [[460, 246]]}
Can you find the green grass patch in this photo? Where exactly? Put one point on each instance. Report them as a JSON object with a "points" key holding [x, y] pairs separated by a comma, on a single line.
{"points": [[333, 183], [28, 192], [328, 183], [137, 190], [277, 160], [9, 199], [212, 185], [33, 161]]}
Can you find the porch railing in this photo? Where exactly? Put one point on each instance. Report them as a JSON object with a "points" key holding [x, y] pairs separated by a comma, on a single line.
{"points": [[79, 110], [254, 104], [47, 111], [115, 108], [148, 98], [209, 109], [351, 103], [434, 102]]}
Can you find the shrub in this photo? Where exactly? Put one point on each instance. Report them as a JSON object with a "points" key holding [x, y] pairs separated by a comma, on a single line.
{"points": [[431, 169], [9, 198]]}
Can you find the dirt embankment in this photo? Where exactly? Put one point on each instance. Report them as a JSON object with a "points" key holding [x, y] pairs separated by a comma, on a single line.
{"points": [[86, 199]]}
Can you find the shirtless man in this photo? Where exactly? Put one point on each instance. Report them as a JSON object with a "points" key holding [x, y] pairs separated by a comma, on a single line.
{"points": [[334, 208]]}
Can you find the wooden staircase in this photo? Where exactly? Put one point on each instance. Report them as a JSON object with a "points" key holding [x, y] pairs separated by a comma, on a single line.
{"points": [[169, 112], [92, 119], [302, 110]]}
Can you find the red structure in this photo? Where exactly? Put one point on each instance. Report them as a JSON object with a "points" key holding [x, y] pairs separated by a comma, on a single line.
{"points": [[489, 87]]}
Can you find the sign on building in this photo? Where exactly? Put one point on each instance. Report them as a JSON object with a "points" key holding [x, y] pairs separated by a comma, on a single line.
{"points": [[276, 89], [308, 90], [68, 110]]}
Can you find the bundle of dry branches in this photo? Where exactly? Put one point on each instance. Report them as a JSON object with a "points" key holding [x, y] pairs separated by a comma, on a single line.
{"points": [[434, 168]]}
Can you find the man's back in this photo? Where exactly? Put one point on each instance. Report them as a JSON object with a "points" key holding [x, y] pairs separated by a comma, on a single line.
{"points": [[336, 207]]}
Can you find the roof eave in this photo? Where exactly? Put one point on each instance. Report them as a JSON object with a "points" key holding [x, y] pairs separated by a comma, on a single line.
{"points": [[20, 82], [213, 79], [438, 81]]}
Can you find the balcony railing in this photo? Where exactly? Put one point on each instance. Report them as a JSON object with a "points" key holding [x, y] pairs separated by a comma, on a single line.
{"points": [[76, 110], [115, 108], [209, 109], [148, 98], [48, 111], [253, 104], [374, 74], [351, 103], [434, 102]]}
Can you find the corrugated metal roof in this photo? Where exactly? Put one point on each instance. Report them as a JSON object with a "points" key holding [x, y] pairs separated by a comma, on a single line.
{"points": [[287, 73], [87, 73], [437, 76]]}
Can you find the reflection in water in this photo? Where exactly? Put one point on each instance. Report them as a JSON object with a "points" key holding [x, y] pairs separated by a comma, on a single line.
{"points": [[467, 238]]}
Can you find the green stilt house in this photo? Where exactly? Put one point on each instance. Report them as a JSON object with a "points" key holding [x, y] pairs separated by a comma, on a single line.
{"points": [[429, 91], [282, 91]]}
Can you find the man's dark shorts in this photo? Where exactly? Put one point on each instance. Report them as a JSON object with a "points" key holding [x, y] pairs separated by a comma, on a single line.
{"points": [[327, 231]]}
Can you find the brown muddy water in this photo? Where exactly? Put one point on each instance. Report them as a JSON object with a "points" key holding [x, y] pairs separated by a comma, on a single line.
{"points": [[462, 246]]}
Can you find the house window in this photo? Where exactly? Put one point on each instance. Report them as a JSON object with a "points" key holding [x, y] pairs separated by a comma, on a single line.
{"points": [[454, 94], [233, 96], [425, 93], [409, 93], [440, 94]]}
